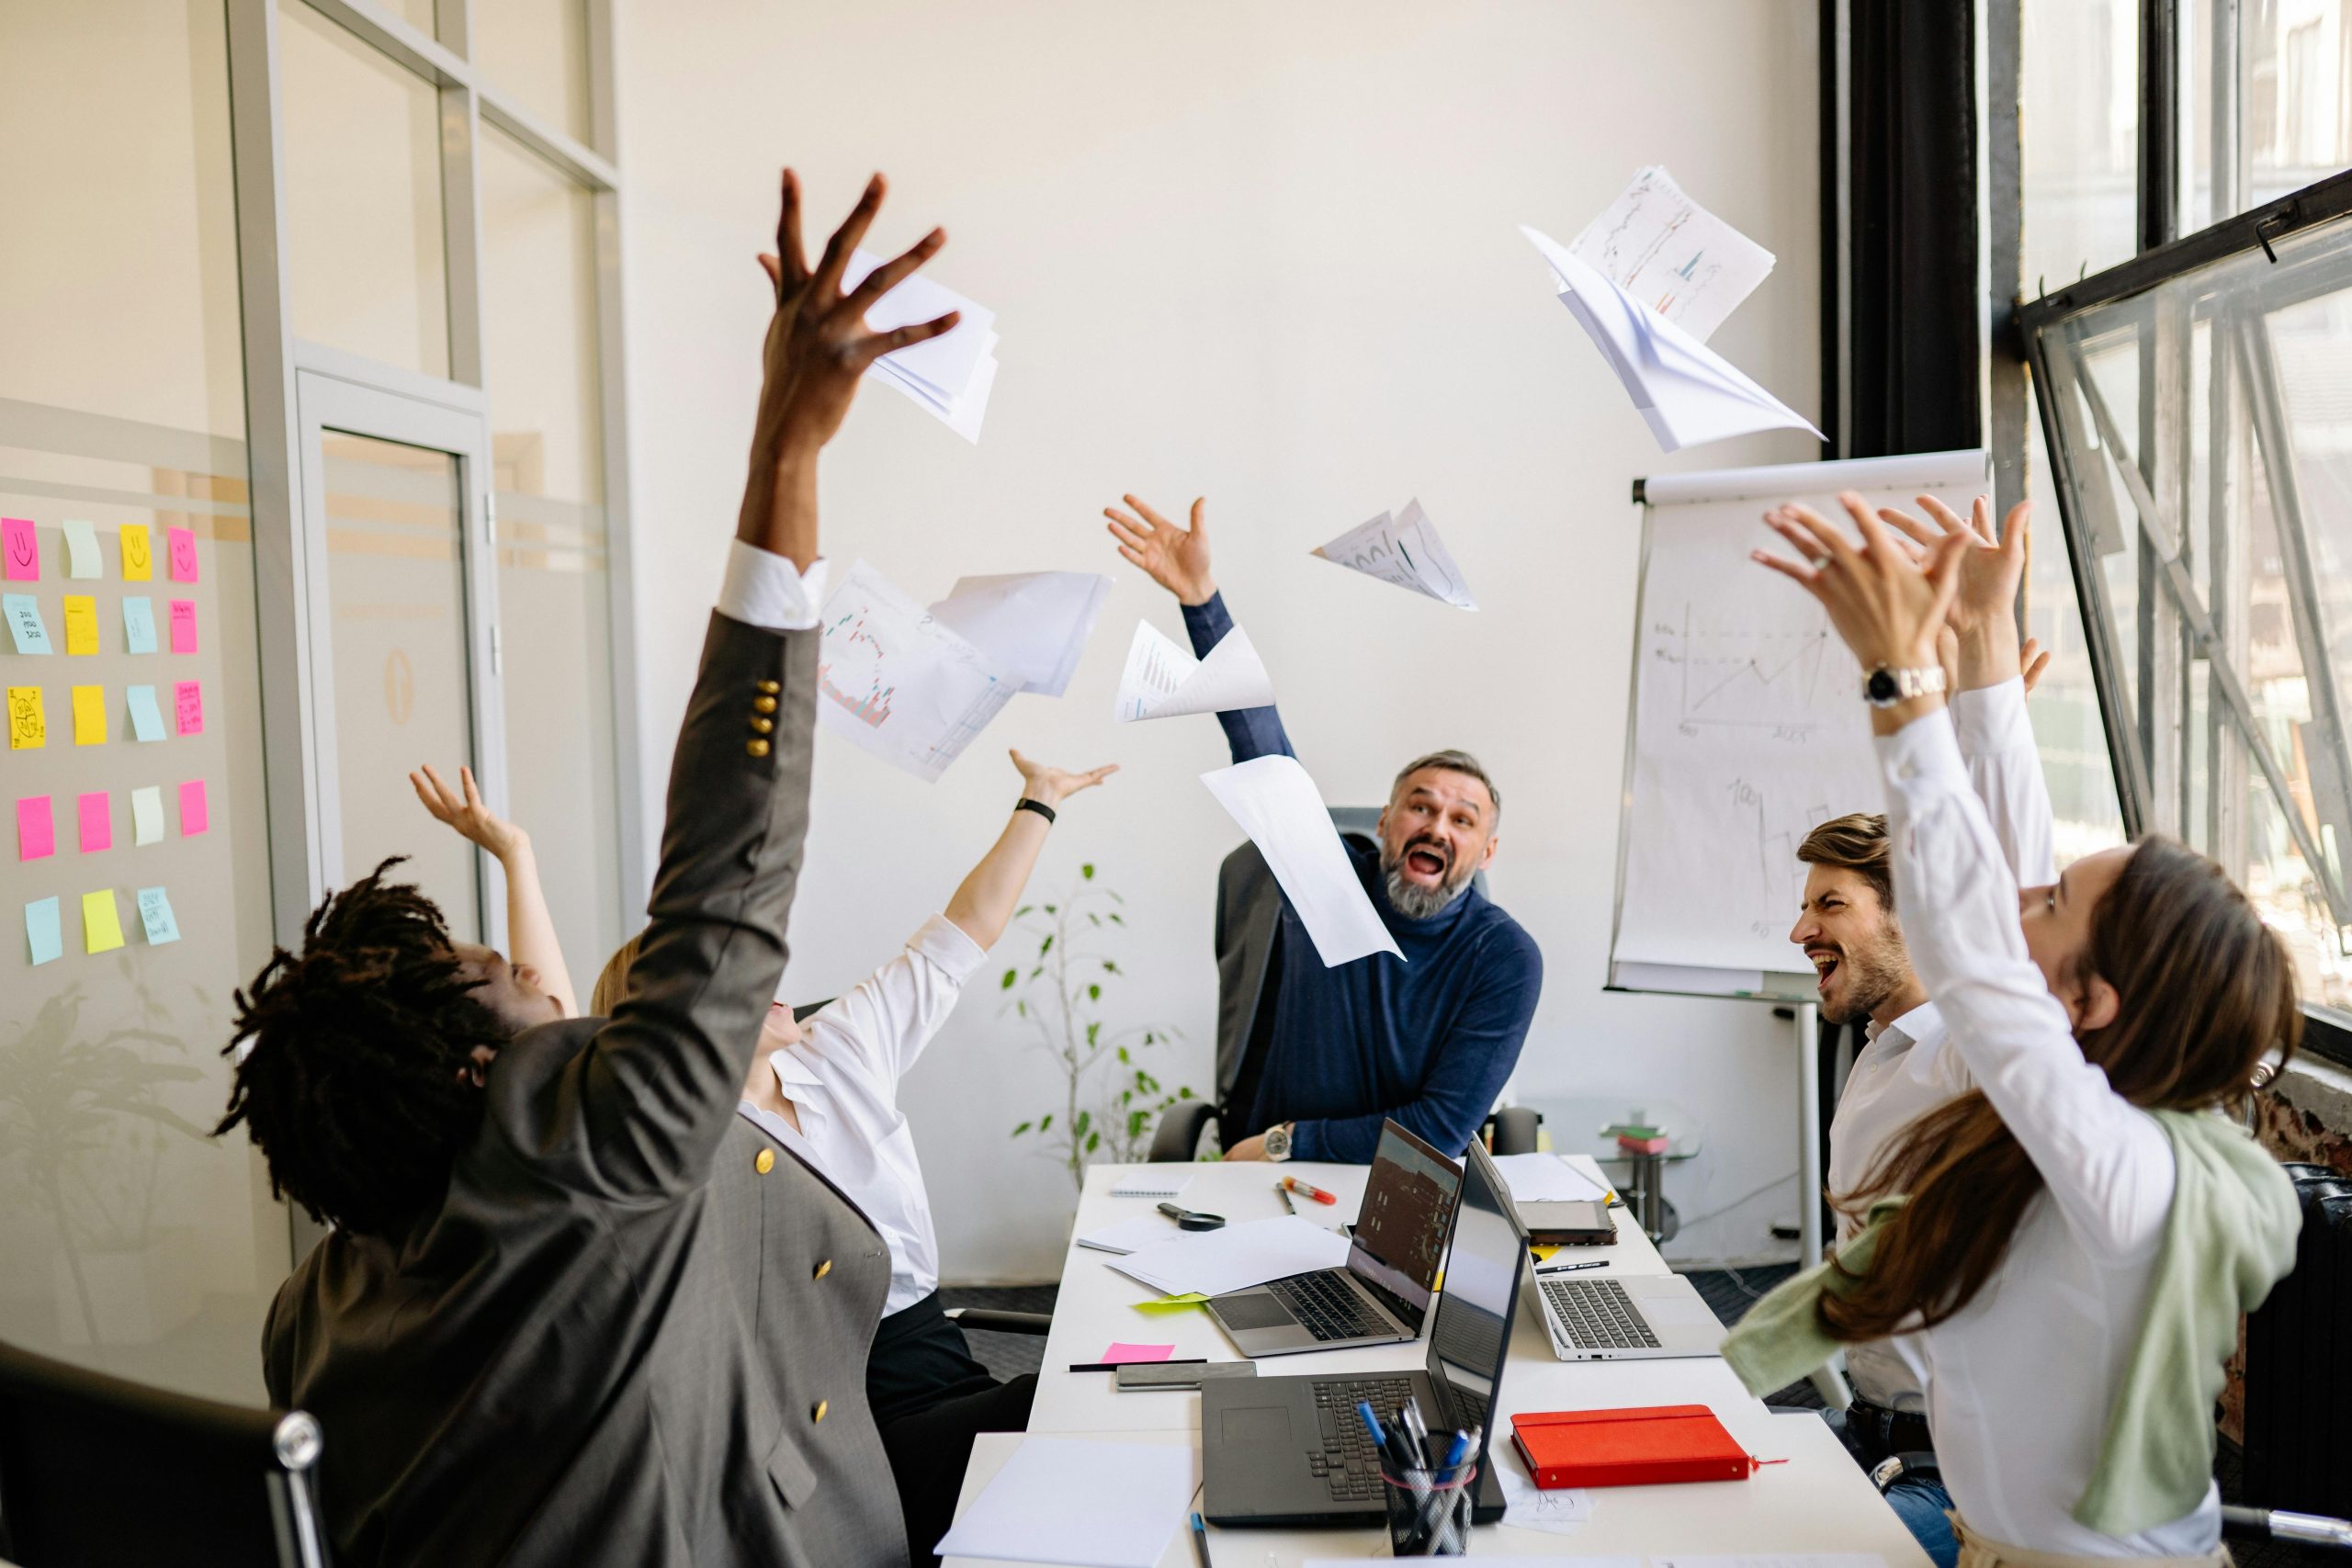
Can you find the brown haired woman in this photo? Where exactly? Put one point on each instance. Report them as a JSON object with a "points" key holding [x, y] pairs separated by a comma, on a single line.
{"points": [[2073, 1242]]}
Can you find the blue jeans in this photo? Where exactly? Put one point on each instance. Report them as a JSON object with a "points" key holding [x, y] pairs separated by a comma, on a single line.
{"points": [[1919, 1501]]}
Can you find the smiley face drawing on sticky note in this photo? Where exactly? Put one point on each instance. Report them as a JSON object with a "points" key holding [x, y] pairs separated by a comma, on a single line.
{"points": [[19, 551], [183, 547], [138, 554]]}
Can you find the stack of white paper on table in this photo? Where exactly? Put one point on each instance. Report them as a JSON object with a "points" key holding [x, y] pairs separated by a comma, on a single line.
{"points": [[950, 375], [1278, 806], [1131, 1235], [1031, 625], [1162, 680], [1547, 1179], [1673, 255], [1403, 550], [1234, 1258], [1068, 1500], [893, 682]]}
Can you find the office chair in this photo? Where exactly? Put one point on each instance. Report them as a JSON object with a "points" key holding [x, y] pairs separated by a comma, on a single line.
{"points": [[97, 1471]]}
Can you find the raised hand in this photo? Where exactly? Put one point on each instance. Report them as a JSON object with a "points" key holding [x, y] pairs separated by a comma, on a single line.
{"points": [[1886, 606], [1176, 558], [462, 809], [1050, 785], [1991, 572]]}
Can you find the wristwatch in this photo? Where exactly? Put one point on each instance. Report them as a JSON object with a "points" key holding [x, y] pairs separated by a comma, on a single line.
{"points": [[1278, 1140], [1884, 686]]}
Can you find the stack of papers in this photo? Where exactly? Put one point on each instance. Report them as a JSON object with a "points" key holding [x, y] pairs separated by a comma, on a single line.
{"points": [[1097, 1505], [893, 682], [1278, 806], [1131, 1235], [1547, 1179], [1162, 680], [1031, 625], [950, 375], [1234, 1258], [1406, 551], [1673, 255]]}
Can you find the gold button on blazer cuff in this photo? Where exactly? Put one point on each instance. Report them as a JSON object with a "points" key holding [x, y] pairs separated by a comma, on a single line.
{"points": [[763, 704], [823, 1269], [764, 1161], [756, 747], [819, 1413], [770, 688]]}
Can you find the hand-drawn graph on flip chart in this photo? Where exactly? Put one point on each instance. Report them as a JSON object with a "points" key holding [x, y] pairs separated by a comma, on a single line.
{"points": [[893, 682], [1747, 729]]}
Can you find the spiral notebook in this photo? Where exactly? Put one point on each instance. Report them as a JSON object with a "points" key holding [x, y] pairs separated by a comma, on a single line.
{"points": [[1156, 1181]]}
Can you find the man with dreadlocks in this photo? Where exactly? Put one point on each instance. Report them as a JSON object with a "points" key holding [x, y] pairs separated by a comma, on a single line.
{"points": [[527, 1340]]}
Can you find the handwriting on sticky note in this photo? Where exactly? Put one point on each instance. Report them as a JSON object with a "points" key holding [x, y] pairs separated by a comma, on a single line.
{"points": [[182, 626], [187, 706], [44, 932], [98, 821], [146, 718], [89, 715], [147, 815], [137, 623], [82, 550], [195, 812], [101, 925], [138, 553], [36, 829], [27, 729], [81, 624], [155, 914], [181, 543], [26, 628], [19, 551]]}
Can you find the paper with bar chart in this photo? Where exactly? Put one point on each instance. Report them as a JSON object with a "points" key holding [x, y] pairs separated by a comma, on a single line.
{"points": [[1162, 680], [1672, 254], [893, 682], [1405, 552]]}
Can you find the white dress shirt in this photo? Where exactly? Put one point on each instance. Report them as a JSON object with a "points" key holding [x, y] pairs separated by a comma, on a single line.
{"points": [[2021, 1380], [843, 1079], [762, 589]]}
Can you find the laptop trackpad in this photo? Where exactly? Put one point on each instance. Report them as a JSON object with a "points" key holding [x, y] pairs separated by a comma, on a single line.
{"points": [[1679, 1312], [1255, 1309], [1256, 1424]]}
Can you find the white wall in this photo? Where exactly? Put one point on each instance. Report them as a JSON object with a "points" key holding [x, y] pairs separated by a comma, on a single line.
{"points": [[1267, 253]]}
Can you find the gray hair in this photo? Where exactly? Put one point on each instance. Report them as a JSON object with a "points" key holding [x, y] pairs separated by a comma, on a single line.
{"points": [[1452, 762]]}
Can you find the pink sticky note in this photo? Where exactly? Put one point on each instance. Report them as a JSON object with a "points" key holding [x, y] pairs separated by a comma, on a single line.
{"points": [[187, 706], [20, 548], [98, 822], [183, 542], [182, 626], [196, 814], [36, 831], [1123, 1352]]}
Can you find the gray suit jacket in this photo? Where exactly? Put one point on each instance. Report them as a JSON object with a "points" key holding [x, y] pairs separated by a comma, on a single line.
{"points": [[567, 1363]]}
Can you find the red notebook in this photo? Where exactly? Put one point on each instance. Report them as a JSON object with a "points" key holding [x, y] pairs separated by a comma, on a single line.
{"points": [[1628, 1448]]}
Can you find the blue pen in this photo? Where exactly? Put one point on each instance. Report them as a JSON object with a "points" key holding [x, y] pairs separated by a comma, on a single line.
{"points": [[1459, 1451], [1380, 1438]]}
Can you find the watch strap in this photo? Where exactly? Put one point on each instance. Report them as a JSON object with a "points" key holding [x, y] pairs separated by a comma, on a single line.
{"points": [[1039, 806]]}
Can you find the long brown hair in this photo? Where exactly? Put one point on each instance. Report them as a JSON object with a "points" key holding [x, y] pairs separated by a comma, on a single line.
{"points": [[2207, 990]]}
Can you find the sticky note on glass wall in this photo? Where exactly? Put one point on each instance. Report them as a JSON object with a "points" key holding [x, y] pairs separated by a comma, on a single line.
{"points": [[183, 547], [98, 821], [44, 929], [89, 715], [137, 623], [26, 628], [19, 551], [187, 707], [146, 718], [81, 624], [182, 626], [101, 926], [36, 829], [82, 550], [155, 914], [195, 812], [147, 815], [138, 559], [27, 726]]}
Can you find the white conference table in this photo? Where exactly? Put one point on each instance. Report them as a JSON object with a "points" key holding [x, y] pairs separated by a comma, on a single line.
{"points": [[1817, 1501]]}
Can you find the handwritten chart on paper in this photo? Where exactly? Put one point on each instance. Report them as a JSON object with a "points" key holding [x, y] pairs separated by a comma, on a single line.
{"points": [[893, 682]]}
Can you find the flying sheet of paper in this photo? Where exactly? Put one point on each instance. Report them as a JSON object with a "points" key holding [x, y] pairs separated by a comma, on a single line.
{"points": [[1673, 255], [1234, 1258], [893, 682], [26, 628], [44, 929], [147, 815], [1070, 1500], [137, 623], [951, 374], [146, 720], [1406, 551], [1162, 680], [1547, 1179], [1278, 806], [101, 925], [82, 550], [196, 814], [1031, 625], [1687, 393]]}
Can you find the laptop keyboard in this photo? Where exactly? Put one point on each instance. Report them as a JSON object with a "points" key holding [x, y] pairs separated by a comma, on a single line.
{"points": [[1348, 1461], [1596, 1315], [1326, 1308]]}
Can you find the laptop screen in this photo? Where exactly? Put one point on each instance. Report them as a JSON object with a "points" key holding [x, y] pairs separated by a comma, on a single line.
{"points": [[1400, 1234], [1471, 1334]]}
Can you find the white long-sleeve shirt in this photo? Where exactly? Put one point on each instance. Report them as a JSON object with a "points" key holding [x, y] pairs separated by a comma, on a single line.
{"points": [[2021, 1380]]}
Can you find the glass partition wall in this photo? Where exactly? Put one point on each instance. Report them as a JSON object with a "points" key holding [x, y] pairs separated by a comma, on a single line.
{"points": [[310, 455]]}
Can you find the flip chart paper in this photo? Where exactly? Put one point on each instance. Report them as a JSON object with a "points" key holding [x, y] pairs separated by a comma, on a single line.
{"points": [[137, 623], [101, 925], [28, 725], [146, 720], [82, 550], [155, 915], [1162, 680], [147, 815], [196, 813], [891, 679], [89, 715], [182, 626], [1673, 255], [1076, 1500], [44, 929], [1404, 551], [20, 550], [1031, 625], [98, 821], [81, 624], [138, 553], [36, 829], [1277, 804], [187, 706], [25, 626], [181, 543], [1234, 1258]]}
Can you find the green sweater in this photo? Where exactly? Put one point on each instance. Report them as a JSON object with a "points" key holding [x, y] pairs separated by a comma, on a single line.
{"points": [[2229, 1237]]}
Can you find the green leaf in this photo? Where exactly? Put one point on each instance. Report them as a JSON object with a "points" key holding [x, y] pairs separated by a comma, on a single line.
{"points": [[1093, 1142], [1116, 920], [1184, 1091], [1110, 968], [1023, 1007], [1135, 1119], [1123, 1056], [1093, 1032], [1085, 1120], [1044, 947], [1009, 976], [1022, 1128], [1050, 909], [1087, 871], [1045, 1121], [1093, 919], [1093, 993], [1022, 910]]}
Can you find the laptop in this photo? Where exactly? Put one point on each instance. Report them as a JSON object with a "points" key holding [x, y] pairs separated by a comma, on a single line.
{"points": [[1292, 1451], [1630, 1317], [1383, 1293]]}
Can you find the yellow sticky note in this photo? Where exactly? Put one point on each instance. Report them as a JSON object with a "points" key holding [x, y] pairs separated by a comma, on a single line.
{"points": [[81, 624], [89, 715], [101, 926], [27, 729], [1172, 1304], [138, 563]]}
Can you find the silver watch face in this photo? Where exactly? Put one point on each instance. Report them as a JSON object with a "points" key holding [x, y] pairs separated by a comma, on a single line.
{"points": [[1278, 1143]]}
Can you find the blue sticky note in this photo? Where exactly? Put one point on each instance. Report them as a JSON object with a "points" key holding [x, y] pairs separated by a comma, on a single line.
{"points": [[155, 914], [23, 615], [44, 929], [146, 718], [137, 623]]}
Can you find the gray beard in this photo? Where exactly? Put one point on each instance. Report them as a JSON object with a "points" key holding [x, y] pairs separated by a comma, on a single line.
{"points": [[1416, 902]]}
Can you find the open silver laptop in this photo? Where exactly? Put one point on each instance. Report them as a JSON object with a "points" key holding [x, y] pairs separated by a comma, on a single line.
{"points": [[1630, 1317]]}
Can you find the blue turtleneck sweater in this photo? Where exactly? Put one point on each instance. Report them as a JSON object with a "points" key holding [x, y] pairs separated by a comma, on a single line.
{"points": [[1428, 1041]]}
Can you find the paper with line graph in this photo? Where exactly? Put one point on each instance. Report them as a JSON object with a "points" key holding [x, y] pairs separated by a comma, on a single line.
{"points": [[1672, 254], [1403, 550], [1162, 680], [893, 682]]}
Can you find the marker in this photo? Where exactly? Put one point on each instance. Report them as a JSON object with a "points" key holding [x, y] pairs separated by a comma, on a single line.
{"points": [[1281, 1190], [1201, 1541], [1295, 1185]]}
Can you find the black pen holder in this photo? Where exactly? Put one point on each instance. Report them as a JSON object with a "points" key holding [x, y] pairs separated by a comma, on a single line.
{"points": [[1429, 1511]]}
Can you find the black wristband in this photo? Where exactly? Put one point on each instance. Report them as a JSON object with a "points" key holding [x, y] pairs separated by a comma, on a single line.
{"points": [[1039, 806]]}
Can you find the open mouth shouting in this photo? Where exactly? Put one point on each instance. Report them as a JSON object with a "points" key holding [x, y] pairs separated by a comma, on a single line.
{"points": [[1428, 860], [1827, 961]]}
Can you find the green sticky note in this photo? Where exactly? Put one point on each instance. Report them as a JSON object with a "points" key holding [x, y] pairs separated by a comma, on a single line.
{"points": [[146, 718], [44, 929], [155, 914], [1172, 1304]]}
